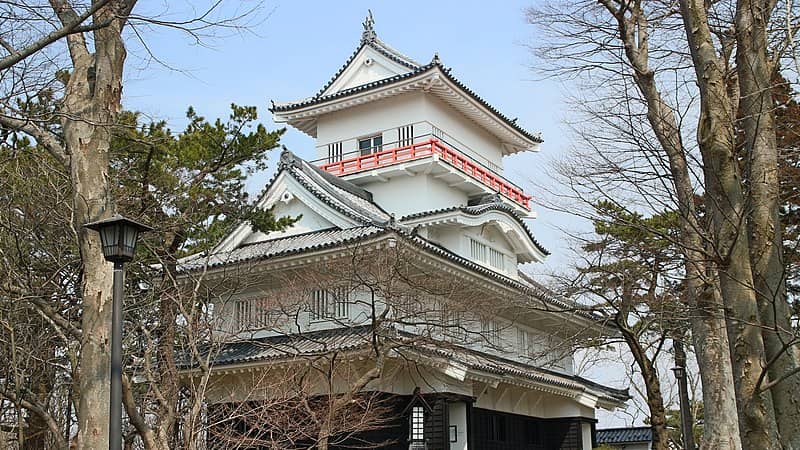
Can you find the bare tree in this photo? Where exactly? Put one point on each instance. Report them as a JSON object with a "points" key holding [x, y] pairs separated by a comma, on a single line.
{"points": [[644, 43], [346, 325]]}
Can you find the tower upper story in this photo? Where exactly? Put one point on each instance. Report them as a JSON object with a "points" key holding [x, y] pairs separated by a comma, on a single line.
{"points": [[410, 133]]}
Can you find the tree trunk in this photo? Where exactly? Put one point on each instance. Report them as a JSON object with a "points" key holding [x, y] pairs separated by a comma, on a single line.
{"points": [[710, 336], [725, 202], [766, 244], [655, 400], [91, 104]]}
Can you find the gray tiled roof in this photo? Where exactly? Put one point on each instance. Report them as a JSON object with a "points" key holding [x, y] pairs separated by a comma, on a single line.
{"points": [[342, 195], [379, 46], [624, 435], [316, 240], [352, 338], [288, 346], [386, 81]]}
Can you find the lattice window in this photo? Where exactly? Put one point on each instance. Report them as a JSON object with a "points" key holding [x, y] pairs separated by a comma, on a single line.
{"points": [[417, 423], [243, 311], [254, 313], [487, 255], [329, 304], [529, 344], [453, 323], [335, 152]]}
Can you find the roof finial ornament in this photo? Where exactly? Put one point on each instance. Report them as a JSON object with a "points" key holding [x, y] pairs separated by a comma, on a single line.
{"points": [[436, 61], [287, 159], [368, 35]]}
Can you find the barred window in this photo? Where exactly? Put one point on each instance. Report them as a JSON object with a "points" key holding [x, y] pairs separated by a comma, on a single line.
{"points": [[405, 135], [330, 304], [453, 323], [243, 310], [477, 250], [528, 344], [335, 152], [496, 259], [490, 329], [254, 313], [487, 255]]}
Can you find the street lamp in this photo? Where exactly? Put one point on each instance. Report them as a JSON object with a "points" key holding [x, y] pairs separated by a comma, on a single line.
{"points": [[118, 237], [683, 400]]}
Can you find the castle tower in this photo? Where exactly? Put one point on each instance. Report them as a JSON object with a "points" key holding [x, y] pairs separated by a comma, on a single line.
{"points": [[412, 134]]}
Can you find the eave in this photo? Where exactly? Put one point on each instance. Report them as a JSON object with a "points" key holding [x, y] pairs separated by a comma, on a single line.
{"points": [[433, 79]]}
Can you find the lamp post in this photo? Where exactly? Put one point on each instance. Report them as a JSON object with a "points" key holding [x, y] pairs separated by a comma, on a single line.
{"points": [[118, 237], [687, 433]]}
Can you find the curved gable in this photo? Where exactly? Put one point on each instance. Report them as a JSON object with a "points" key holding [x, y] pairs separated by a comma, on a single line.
{"points": [[504, 223]]}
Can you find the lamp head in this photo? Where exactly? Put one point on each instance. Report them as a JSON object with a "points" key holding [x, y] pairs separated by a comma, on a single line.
{"points": [[118, 236]]}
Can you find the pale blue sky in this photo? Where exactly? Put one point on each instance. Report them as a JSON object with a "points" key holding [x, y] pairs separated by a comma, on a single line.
{"points": [[297, 46]]}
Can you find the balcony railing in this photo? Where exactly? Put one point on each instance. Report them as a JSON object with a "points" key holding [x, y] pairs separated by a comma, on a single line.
{"points": [[424, 149]]}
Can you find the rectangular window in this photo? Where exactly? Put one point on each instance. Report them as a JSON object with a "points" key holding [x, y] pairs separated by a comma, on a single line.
{"points": [[477, 250], [335, 152], [496, 259], [528, 344], [522, 342], [405, 135], [243, 312], [254, 313], [417, 424], [372, 144], [490, 329], [452, 323], [330, 304], [482, 253]]}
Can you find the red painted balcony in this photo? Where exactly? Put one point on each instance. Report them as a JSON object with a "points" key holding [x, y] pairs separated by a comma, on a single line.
{"points": [[426, 149]]}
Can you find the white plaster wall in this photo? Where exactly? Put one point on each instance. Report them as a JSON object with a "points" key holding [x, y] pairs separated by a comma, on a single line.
{"points": [[463, 130], [511, 399], [310, 221], [410, 194], [348, 125], [386, 115], [586, 436], [458, 417]]}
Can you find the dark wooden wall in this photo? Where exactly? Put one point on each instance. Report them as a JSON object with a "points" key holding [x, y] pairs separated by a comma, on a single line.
{"points": [[489, 430], [493, 430]]}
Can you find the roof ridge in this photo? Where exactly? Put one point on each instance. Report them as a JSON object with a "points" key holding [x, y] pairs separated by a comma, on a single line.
{"points": [[322, 180]]}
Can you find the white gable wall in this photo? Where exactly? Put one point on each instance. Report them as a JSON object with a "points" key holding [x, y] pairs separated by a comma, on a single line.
{"points": [[368, 65], [310, 221], [456, 238]]}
